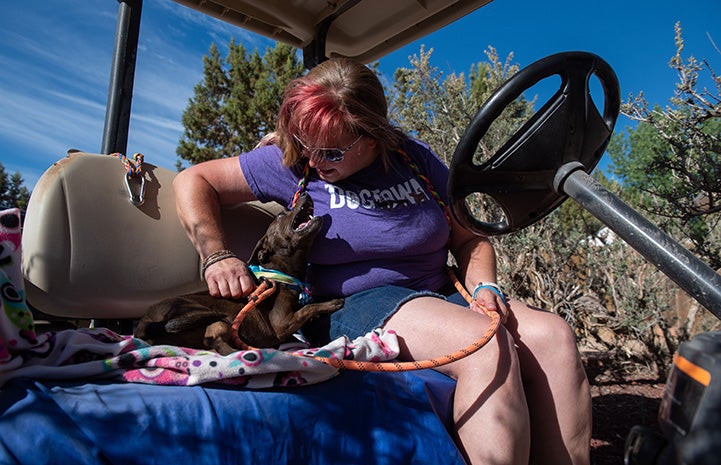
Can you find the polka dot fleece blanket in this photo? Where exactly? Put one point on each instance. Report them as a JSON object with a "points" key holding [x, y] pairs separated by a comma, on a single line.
{"points": [[101, 353]]}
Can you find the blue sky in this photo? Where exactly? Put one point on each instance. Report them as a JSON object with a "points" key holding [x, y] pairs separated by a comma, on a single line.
{"points": [[56, 57]]}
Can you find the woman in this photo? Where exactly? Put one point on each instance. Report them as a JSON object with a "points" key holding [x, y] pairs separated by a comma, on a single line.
{"points": [[384, 247]]}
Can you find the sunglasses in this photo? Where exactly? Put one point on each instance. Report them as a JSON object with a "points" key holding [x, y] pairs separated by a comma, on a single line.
{"points": [[333, 155]]}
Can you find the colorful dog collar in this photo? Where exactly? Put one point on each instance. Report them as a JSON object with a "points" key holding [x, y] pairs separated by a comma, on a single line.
{"points": [[278, 276]]}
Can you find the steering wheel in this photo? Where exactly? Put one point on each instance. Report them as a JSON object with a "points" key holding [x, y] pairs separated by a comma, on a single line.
{"points": [[523, 176]]}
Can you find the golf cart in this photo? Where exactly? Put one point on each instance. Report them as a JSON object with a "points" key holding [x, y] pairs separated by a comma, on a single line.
{"points": [[67, 397]]}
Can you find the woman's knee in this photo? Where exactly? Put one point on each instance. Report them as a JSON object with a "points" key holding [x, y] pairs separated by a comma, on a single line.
{"points": [[544, 334], [538, 324], [557, 332], [450, 329], [496, 359]]}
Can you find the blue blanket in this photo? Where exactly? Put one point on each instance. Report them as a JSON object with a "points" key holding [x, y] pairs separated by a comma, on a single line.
{"points": [[354, 418]]}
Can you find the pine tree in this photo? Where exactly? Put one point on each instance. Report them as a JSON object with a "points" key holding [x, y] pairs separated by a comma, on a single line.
{"points": [[12, 191], [237, 102]]}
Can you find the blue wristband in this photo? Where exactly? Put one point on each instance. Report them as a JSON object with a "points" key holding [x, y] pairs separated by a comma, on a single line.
{"points": [[493, 287]]}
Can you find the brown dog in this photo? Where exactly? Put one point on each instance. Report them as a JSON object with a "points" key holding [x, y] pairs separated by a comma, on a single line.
{"points": [[204, 322]]}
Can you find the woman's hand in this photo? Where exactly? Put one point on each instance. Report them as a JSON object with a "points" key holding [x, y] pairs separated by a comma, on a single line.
{"points": [[491, 301], [229, 278]]}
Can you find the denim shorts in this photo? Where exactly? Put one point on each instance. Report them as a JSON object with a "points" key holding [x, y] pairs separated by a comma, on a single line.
{"points": [[364, 311]]}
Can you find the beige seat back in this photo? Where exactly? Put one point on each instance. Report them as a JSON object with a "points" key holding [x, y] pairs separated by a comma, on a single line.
{"points": [[88, 252]]}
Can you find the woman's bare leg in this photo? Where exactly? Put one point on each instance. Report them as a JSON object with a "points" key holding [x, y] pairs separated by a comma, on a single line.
{"points": [[557, 390], [490, 409]]}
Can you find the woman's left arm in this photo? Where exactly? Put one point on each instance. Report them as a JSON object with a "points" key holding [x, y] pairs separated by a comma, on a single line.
{"points": [[477, 264], [474, 254]]}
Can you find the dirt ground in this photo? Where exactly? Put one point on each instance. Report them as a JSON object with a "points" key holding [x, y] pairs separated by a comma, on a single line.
{"points": [[622, 398]]}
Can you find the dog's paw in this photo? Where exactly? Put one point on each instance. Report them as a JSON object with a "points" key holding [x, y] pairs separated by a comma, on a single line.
{"points": [[336, 304]]}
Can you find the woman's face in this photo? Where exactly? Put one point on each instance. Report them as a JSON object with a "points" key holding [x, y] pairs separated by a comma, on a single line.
{"points": [[357, 152]]}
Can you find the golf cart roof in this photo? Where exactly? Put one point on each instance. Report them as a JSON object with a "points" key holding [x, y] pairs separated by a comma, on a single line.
{"points": [[362, 29]]}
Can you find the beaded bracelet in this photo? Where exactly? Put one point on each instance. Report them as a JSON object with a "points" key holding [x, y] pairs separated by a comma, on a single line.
{"points": [[215, 257], [493, 287]]}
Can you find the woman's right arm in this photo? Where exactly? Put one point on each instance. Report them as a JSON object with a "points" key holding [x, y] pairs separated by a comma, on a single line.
{"points": [[200, 192]]}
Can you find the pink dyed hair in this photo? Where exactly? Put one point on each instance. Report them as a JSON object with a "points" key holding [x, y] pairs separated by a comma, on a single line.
{"points": [[339, 95]]}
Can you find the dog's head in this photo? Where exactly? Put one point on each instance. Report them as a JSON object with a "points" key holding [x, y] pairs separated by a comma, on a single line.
{"points": [[287, 242]]}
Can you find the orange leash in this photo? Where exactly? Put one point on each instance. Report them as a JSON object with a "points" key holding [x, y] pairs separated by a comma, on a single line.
{"points": [[264, 289], [267, 287]]}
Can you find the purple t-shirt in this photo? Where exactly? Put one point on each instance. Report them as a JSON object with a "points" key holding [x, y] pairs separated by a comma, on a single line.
{"points": [[380, 226]]}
